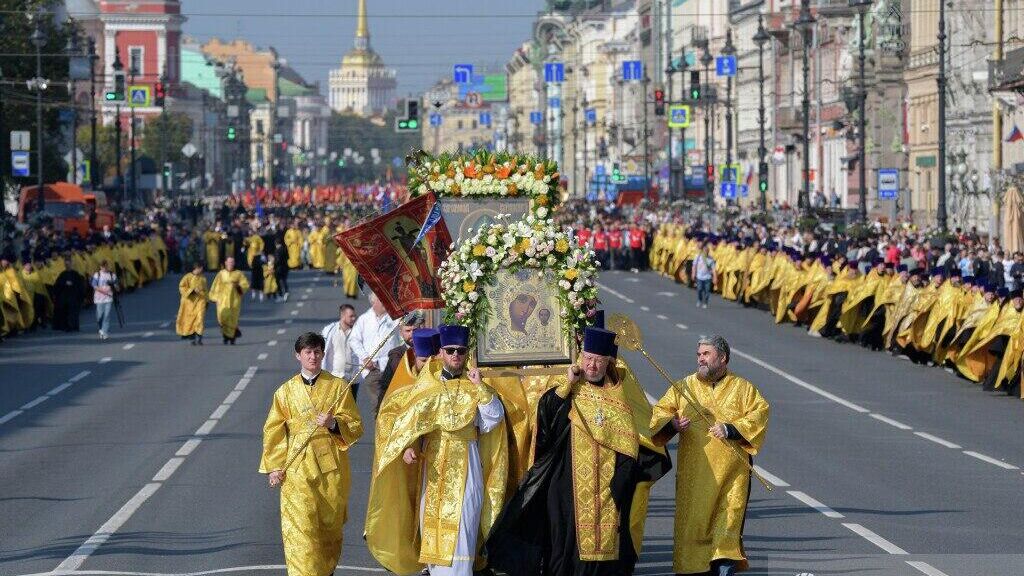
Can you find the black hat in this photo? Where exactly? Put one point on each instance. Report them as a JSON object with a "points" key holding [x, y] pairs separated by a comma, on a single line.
{"points": [[599, 341]]}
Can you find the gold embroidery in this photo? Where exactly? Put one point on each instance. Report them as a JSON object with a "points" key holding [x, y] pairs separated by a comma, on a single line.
{"points": [[597, 518], [604, 413]]}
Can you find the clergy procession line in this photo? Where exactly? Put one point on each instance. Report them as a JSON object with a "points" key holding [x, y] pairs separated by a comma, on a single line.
{"points": [[934, 315]]}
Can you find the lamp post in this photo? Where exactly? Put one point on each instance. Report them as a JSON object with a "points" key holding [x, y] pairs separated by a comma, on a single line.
{"points": [[669, 71], [761, 38], [805, 24], [647, 138], [72, 50], [862, 101], [728, 50], [92, 115], [940, 80], [709, 186], [132, 72], [118, 67], [38, 39], [683, 67]]}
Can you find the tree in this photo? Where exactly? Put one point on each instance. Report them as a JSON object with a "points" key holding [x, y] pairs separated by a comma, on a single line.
{"points": [[361, 135], [106, 150], [165, 135]]}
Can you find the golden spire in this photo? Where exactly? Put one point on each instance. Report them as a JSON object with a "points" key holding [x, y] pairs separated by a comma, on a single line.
{"points": [[362, 30]]}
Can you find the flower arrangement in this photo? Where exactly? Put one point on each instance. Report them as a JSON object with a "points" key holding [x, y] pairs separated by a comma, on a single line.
{"points": [[487, 174], [528, 243]]}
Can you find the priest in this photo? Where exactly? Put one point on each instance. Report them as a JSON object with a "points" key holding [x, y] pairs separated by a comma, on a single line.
{"points": [[573, 512], [228, 290], [442, 471], [712, 484], [192, 308]]}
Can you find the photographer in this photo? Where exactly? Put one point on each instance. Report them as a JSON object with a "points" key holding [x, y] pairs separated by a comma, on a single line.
{"points": [[103, 285]]}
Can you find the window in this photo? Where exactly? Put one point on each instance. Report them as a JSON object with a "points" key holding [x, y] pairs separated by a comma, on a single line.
{"points": [[259, 127], [460, 125], [136, 56]]}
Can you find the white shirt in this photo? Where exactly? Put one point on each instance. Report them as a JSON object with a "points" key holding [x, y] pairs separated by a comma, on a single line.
{"points": [[105, 280], [338, 356], [367, 333]]}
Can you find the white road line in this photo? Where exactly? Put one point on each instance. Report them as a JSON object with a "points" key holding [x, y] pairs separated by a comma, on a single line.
{"points": [[771, 478], [890, 421], [10, 416], [242, 384], [59, 389], [272, 343], [801, 383], [300, 304], [282, 330], [220, 412], [926, 568], [990, 460], [645, 308], [168, 469], [188, 447], [262, 356], [938, 440], [206, 428], [305, 296], [230, 398], [250, 371], [288, 321], [35, 403], [681, 326], [295, 312], [75, 561], [309, 290], [105, 359], [234, 569], [875, 539], [662, 317], [79, 376], [806, 499], [165, 324], [128, 346], [147, 334]]}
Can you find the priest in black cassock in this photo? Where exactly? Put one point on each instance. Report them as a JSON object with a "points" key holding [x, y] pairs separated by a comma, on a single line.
{"points": [[580, 509]]}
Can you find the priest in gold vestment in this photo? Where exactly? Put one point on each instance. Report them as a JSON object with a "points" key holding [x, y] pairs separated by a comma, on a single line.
{"points": [[315, 487], [441, 475], [581, 507], [192, 309], [228, 290], [712, 484]]}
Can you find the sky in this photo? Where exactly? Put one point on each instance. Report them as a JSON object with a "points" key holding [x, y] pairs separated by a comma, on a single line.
{"points": [[421, 39]]}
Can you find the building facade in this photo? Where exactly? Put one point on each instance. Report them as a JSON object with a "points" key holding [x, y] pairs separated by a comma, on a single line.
{"points": [[362, 85]]}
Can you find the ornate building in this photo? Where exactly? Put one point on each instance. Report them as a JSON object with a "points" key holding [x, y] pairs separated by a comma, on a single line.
{"points": [[362, 85]]}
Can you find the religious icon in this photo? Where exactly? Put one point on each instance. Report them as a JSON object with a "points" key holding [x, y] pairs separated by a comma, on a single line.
{"points": [[525, 323], [469, 214]]}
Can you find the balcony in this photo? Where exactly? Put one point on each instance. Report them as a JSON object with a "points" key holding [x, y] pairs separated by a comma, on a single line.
{"points": [[789, 119]]}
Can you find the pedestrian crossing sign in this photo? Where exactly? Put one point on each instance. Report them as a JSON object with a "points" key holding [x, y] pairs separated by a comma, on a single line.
{"points": [[679, 116], [138, 96]]}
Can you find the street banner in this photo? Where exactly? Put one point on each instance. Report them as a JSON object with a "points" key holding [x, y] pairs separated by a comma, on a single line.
{"points": [[401, 271]]}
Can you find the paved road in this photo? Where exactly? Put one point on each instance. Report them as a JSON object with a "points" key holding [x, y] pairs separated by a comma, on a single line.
{"points": [[138, 454]]}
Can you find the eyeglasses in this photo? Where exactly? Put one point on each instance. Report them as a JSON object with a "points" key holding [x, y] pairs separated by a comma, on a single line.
{"points": [[456, 351]]}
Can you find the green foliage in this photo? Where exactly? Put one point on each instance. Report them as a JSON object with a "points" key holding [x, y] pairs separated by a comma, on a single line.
{"points": [[361, 135], [106, 150], [807, 223], [164, 136]]}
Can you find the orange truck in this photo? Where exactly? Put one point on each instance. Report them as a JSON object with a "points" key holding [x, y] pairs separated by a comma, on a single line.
{"points": [[72, 209]]}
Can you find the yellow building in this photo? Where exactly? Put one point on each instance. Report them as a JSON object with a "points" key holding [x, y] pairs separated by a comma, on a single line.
{"points": [[363, 85]]}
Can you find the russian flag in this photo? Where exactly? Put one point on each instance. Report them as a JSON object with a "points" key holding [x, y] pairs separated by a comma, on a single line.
{"points": [[1015, 135]]}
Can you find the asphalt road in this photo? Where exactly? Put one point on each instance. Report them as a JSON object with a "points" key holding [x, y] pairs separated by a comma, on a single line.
{"points": [[138, 455]]}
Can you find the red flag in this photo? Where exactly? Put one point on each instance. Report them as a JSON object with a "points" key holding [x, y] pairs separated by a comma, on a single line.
{"points": [[401, 272], [1015, 135]]}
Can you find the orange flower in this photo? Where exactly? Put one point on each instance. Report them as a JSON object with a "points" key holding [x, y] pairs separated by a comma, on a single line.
{"points": [[470, 170], [456, 190], [503, 172], [512, 190], [541, 200]]}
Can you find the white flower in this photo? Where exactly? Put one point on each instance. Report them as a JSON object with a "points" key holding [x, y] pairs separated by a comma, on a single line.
{"points": [[491, 252], [564, 284], [473, 296]]}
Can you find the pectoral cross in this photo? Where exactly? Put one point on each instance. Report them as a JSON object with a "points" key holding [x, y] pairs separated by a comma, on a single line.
{"points": [[599, 418]]}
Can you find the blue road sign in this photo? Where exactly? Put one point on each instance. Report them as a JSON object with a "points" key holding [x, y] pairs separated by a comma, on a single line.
{"points": [[888, 183], [485, 118], [554, 72], [728, 190], [435, 119], [729, 174], [590, 115], [632, 70], [536, 118], [554, 102], [679, 116], [462, 73], [725, 65], [744, 190], [599, 170], [20, 163]]}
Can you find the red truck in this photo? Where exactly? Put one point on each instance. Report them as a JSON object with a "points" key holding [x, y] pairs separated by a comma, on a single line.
{"points": [[71, 208]]}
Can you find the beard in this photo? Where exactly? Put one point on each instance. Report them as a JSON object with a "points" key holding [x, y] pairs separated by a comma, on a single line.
{"points": [[709, 373]]}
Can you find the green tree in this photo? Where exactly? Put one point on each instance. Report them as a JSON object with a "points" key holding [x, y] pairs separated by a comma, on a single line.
{"points": [[362, 135], [164, 136], [105, 149]]}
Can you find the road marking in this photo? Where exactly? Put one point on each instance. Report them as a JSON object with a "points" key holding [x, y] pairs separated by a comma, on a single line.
{"points": [[128, 346], [282, 330], [188, 447], [272, 343], [938, 440], [79, 556], [875, 539], [669, 294], [634, 280], [168, 469], [220, 412], [288, 321], [305, 296], [890, 421], [105, 359], [242, 569], [250, 371], [242, 384], [10, 416], [165, 324], [645, 308], [35, 403], [990, 460], [300, 304], [926, 568], [262, 356], [662, 317], [801, 383], [616, 293], [309, 290], [295, 312], [79, 376], [771, 478], [806, 499], [59, 389], [230, 399], [205, 428], [681, 326]]}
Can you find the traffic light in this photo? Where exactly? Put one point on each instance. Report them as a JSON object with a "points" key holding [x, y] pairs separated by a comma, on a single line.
{"points": [[659, 102], [762, 176], [411, 121], [168, 174], [117, 94], [694, 85], [617, 173], [159, 93], [232, 134], [341, 162]]}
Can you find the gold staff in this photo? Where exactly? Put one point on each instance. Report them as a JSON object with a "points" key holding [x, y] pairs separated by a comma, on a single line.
{"points": [[628, 336]]}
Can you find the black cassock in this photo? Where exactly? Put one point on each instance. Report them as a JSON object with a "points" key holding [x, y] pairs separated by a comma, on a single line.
{"points": [[536, 532], [68, 295]]}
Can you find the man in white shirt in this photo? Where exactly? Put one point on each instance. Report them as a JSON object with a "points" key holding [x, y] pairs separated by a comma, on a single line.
{"points": [[370, 329], [338, 356], [103, 283]]}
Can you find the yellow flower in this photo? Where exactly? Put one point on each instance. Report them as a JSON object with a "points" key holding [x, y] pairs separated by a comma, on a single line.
{"points": [[562, 246], [571, 274], [523, 245], [541, 200], [479, 250], [468, 286]]}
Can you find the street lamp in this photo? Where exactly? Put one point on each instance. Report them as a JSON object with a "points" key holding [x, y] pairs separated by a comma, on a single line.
{"points": [[132, 73], [709, 185], [940, 80], [761, 38], [39, 84], [805, 25], [118, 68], [92, 116], [728, 50], [862, 99]]}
